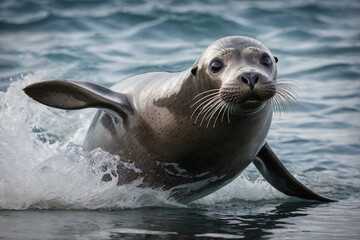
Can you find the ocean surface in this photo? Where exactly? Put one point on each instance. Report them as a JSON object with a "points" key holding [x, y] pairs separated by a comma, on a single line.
{"points": [[50, 186]]}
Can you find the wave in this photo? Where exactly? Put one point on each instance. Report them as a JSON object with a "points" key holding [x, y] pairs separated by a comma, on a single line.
{"points": [[27, 18]]}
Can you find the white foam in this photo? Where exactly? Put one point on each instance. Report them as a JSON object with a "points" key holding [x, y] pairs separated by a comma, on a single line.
{"points": [[40, 167], [244, 189]]}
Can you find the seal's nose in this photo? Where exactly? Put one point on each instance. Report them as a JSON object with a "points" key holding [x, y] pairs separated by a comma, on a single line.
{"points": [[250, 79]]}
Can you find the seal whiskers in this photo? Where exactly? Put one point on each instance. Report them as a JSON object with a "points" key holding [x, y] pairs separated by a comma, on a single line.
{"points": [[205, 105], [202, 93], [285, 93], [210, 109], [206, 99], [209, 106], [213, 112], [222, 107]]}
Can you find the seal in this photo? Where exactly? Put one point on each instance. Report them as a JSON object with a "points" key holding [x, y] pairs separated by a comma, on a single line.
{"points": [[190, 132]]}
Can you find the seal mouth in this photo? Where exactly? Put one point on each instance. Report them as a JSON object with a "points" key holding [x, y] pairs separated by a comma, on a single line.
{"points": [[247, 103], [247, 107], [252, 103], [252, 100]]}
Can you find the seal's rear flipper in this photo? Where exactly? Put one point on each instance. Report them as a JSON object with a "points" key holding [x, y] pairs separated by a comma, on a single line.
{"points": [[280, 178], [78, 95]]}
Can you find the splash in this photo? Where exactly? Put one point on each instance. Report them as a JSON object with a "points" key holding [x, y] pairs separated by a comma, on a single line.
{"points": [[243, 188], [43, 165]]}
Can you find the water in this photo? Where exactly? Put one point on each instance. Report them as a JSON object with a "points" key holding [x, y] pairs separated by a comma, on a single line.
{"points": [[47, 175]]}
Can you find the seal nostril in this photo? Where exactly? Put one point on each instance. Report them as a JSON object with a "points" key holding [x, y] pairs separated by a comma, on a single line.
{"points": [[245, 80], [256, 79]]}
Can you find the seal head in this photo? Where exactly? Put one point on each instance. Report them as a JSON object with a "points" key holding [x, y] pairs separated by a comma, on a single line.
{"points": [[236, 74]]}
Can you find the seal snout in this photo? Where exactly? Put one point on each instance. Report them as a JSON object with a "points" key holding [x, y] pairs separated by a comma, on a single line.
{"points": [[249, 89], [250, 79]]}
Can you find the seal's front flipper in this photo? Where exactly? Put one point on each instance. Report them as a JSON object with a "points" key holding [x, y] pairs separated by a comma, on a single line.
{"points": [[78, 95], [280, 178]]}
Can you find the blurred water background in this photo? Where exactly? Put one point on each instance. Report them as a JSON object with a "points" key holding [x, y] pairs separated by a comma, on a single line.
{"points": [[49, 189]]}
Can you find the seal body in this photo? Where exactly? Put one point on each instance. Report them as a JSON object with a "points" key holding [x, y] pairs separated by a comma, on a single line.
{"points": [[168, 147], [190, 132]]}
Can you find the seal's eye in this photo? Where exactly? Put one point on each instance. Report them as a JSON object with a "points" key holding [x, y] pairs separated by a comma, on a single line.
{"points": [[266, 60], [216, 65]]}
